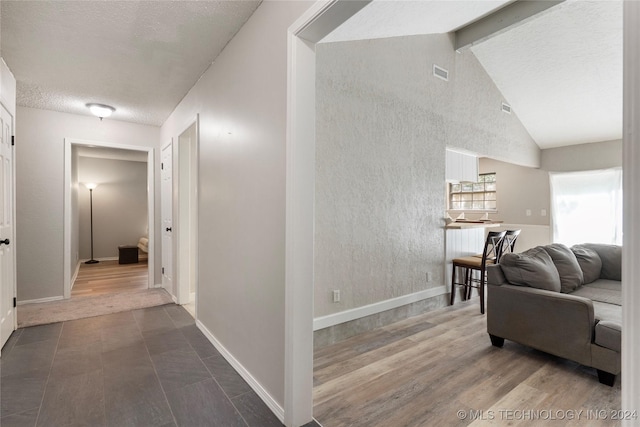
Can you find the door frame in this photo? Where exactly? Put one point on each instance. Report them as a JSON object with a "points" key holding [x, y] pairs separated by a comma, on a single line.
{"points": [[319, 20], [183, 291], [68, 148]]}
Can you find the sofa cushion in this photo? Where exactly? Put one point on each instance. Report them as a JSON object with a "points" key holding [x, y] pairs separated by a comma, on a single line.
{"points": [[608, 335], [605, 311], [589, 261], [571, 277], [533, 268], [607, 291], [611, 257]]}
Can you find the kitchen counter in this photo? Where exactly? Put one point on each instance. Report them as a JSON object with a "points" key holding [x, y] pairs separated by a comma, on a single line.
{"points": [[459, 225]]}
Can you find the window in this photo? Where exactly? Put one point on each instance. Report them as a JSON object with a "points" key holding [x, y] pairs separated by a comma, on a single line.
{"points": [[586, 207], [474, 196]]}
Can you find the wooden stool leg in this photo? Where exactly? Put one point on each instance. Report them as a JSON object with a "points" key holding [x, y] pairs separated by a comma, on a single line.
{"points": [[481, 292], [453, 285], [468, 280]]}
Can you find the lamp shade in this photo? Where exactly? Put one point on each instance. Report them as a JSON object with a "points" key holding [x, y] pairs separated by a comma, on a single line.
{"points": [[91, 185]]}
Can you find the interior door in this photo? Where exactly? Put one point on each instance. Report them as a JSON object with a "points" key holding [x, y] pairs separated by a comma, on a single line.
{"points": [[167, 218], [7, 254]]}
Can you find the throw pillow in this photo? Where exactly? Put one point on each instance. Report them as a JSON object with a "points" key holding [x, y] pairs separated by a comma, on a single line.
{"points": [[590, 262], [611, 257], [571, 277], [533, 268]]}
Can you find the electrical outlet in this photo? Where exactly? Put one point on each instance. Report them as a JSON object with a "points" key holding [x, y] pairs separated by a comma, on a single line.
{"points": [[543, 212], [336, 296], [528, 212], [429, 277]]}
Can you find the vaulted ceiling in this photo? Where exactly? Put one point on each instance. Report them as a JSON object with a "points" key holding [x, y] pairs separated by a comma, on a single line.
{"points": [[561, 70]]}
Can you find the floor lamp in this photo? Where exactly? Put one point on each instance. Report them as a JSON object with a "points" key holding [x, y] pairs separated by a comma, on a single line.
{"points": [[91, 187]]}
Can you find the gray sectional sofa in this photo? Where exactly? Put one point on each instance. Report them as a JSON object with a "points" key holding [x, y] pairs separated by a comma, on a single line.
{"points": [[563, 301]]}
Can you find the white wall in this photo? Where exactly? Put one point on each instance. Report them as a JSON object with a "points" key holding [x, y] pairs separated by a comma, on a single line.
{"points": [[7, 88], [241, 293], [120, 214], [74, 256], [383, 123], [40, 192]]}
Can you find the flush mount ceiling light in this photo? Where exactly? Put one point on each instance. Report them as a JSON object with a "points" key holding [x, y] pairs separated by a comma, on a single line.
{"points": [[101, 110]]}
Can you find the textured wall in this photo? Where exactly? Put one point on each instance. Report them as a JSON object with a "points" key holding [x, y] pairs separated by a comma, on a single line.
{"points": [[383, 122], [40, 138], [119, 205]]}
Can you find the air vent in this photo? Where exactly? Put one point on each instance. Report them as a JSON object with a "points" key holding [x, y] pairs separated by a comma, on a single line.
{"points": [[440, 73], [506, 108]]}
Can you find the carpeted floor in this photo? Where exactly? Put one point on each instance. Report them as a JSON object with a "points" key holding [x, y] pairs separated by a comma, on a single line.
{"points": [[89, 306]]}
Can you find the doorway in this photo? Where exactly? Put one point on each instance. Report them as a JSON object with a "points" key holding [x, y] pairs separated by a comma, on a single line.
{"points": [[119, 212], [187, 218]]}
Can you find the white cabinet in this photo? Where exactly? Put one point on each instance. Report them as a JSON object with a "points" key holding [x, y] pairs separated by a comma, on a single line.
{"points": [[461, 167]]}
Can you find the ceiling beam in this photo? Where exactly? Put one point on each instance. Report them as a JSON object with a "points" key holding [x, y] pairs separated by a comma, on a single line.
{"points": [[512, 15], [340, 11]]}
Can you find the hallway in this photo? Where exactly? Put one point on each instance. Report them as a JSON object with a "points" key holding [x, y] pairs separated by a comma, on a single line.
{"points": [[144, 367]]}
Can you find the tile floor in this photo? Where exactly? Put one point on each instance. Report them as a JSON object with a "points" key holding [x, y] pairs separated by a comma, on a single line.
{"points": [[148, 367]]}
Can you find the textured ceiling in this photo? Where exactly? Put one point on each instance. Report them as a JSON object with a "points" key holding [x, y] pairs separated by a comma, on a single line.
{"points": [[141, 57], [393, 18], [561, 71]]}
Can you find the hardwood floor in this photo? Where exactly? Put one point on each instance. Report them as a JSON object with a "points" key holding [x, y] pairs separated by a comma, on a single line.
{"points": [[109, 277], [422, 371]]}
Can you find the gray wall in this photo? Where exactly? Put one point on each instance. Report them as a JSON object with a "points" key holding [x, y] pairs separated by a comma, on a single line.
{"points": [[383, 123], [519, 188], [120, 214], [597, 155], [241, 214], [40, 189]]}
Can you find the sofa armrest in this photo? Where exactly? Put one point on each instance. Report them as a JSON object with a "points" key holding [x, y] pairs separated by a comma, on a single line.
{"points": [[560, 324]]}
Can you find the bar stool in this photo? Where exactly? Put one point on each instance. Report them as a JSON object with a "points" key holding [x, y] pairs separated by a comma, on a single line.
{"points": [[490, 255], [509, 243]]}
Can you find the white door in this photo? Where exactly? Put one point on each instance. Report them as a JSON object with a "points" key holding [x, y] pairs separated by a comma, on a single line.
{"points": [[7, 254], [167, 218]]}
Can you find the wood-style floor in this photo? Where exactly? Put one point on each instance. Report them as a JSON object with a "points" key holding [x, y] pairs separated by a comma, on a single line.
{"points": [[422, 371], [108, 277]]}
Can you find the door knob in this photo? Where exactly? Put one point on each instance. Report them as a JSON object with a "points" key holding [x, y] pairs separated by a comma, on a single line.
{"points": [[168, 229], [4, 242]]}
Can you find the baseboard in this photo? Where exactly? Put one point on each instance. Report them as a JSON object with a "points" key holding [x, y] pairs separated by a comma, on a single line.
{"points": [[244, 373], [378, 307], [75, 275], [40, 300]]}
